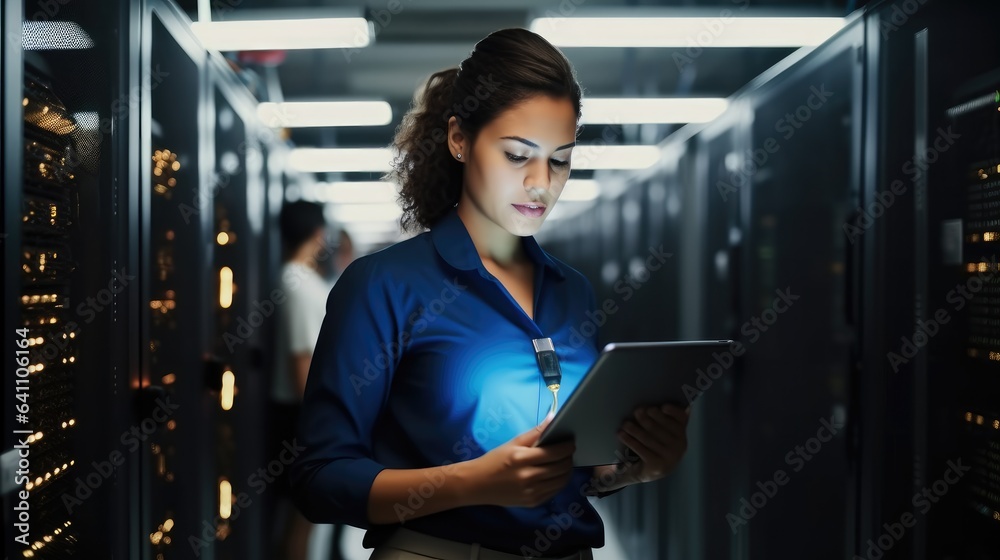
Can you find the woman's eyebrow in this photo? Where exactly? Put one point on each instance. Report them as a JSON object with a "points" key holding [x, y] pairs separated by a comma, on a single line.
{"points": [[533, 145]]}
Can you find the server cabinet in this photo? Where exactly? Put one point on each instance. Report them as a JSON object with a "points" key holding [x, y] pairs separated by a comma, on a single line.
{"points": [[178, 512], [711, 260], [964, 403], [66, 283], [242, 307], [795, 320], [770, 438], [931, 472], [203, 209]]}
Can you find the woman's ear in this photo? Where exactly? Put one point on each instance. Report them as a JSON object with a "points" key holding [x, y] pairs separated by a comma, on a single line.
{"points": [[456, 140]]}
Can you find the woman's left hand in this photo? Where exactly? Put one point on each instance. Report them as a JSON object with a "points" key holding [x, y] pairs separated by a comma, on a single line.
{"points": [[658, 436]]}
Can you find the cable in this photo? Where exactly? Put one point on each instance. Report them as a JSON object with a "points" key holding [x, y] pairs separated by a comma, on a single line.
{"points": [[548, 363]]}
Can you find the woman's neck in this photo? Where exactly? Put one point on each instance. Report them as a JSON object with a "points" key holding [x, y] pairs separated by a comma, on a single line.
{"points": [[492, 242]]}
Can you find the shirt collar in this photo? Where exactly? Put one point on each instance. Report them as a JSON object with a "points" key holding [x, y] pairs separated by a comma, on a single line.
{"points": [[454, 244]]}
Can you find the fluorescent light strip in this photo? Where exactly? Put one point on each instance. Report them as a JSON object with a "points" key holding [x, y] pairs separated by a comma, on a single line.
{"points": [[283, 34], [295, 114], [54, 35], [321, 160], [579, 190], [683, 32], [351, 213], [563, 211], [651, 110], [352, 192], [383, 227], [614, 157]]}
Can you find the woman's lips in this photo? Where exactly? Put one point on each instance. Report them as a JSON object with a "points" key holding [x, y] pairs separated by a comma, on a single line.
{"points": [[530, 212]]}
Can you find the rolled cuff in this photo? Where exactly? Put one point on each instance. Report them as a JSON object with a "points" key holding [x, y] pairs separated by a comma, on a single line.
{"points": [[338, 492]]}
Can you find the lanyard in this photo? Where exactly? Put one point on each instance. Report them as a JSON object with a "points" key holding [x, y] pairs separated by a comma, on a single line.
{"points": [[548, 363]]}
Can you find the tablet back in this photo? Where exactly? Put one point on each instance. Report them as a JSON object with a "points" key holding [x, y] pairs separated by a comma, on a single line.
{"points": [[627, 375]]}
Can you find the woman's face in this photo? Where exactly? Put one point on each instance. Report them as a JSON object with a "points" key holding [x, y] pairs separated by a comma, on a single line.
{"points": [[521, 159]]}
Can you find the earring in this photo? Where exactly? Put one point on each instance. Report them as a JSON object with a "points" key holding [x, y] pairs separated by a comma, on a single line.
{"points": [[459, 156]]}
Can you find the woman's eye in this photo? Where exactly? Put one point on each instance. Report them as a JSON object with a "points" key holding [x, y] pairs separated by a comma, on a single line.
{"points": [[520, 159]]}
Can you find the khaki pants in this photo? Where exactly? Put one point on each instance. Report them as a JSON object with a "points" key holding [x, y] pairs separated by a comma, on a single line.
{"points": [[411, 545]]}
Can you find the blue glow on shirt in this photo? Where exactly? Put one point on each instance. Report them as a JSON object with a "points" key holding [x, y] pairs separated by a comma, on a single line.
{"points": [[424, 359]]}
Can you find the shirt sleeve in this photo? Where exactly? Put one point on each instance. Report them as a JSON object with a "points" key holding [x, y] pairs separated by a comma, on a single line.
{"points": [[352, 368]]}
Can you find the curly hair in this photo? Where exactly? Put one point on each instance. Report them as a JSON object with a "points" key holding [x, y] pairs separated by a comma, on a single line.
{"points": [[507, 67]]}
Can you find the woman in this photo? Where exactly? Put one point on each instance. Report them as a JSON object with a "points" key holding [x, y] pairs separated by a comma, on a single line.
{"points": [[424, 396]]}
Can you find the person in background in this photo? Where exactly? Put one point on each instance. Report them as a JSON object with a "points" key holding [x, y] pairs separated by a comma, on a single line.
{"points": [[305, 249]]}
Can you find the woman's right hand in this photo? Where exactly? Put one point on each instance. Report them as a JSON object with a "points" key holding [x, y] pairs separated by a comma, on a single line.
{"points": [[516, 474]]}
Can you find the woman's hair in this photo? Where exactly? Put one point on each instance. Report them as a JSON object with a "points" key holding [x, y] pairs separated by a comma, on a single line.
{"points": [[504, 69]]}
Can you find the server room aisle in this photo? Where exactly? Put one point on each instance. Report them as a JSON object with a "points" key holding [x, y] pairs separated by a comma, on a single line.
{"points": [[145, 165], [319, 542]]}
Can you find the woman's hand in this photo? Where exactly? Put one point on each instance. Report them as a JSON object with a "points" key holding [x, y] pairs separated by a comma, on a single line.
{"points": [[516, 474], [658, 436]]}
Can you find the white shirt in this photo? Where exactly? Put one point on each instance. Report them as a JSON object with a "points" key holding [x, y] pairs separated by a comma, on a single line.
{"points": [[299, 320]]}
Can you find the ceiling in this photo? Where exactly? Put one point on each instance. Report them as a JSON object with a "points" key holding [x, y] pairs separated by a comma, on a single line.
{"points": [[425, 36]]}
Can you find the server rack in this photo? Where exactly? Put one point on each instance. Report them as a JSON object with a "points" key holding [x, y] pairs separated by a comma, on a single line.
{"points": [[930, 396], [795, 380], [710, 310], [66, 284], [178, 511], [963, 375], [111, 256], [244, 306], [737, 243], [206, 315]]}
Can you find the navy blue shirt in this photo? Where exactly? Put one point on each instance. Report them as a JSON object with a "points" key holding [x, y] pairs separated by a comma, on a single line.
{"points": [[424, 360]]}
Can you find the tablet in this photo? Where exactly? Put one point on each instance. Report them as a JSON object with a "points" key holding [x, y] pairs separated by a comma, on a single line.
{"points": [[625, 376]]}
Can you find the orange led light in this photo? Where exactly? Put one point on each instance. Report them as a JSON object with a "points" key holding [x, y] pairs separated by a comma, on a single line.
{"points": [[228, 386]]}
